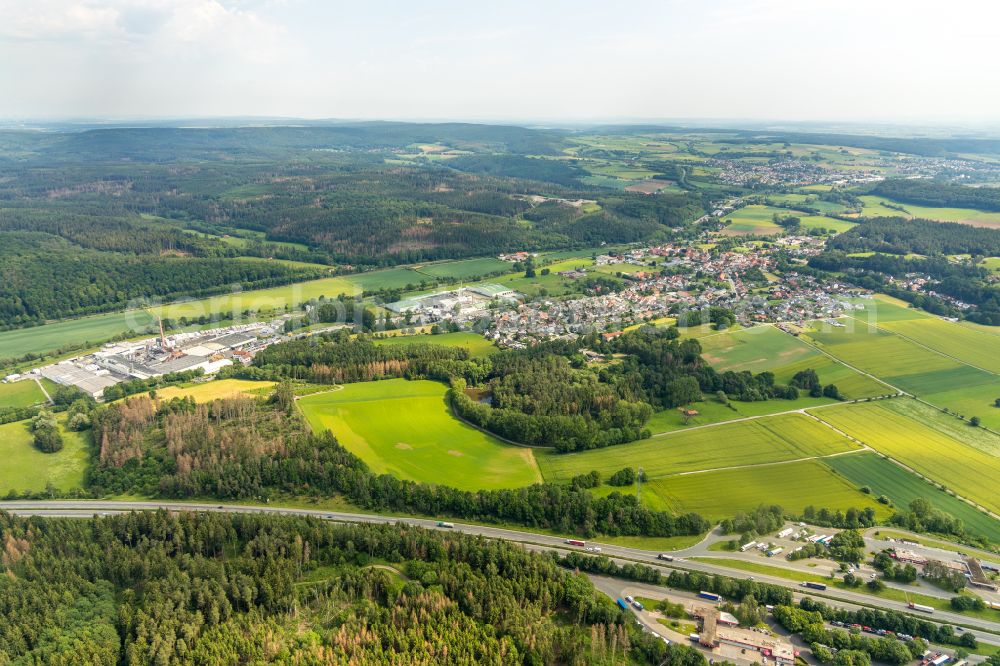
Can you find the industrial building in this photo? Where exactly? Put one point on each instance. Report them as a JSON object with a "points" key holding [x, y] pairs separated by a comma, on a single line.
{"points": [[208, 351], [464, 302], [716, 634]]}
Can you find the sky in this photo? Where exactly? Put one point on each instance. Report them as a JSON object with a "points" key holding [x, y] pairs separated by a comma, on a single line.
{"points": [[537, 61]]}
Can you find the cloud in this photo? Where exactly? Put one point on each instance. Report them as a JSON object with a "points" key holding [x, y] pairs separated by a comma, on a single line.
{"points": [[167, 28]]}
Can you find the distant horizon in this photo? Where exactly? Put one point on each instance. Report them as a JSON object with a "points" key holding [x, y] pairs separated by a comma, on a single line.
{"points": [[715, 123]]}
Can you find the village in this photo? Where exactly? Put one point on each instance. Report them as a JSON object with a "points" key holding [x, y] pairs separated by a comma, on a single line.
{"points": [[650, 284]]}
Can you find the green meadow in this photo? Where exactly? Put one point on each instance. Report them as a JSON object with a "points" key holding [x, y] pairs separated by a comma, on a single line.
{"points": [[755, 219], [766, 348], [754, 442], [26, 468], [23, 393], [405, 428], [710, 410], [475, 344], [874, 207]]}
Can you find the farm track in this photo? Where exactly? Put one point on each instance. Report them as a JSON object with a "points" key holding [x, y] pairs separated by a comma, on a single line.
{"points": [[47, 396], [904, 466], [848, 365], [923, 346], [752, 465]]}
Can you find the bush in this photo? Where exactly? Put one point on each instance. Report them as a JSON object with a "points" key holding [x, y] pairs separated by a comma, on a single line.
{"points": [[623, 477]]}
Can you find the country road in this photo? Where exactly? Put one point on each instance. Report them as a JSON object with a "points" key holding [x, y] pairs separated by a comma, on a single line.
{"points": [[988, 631]]}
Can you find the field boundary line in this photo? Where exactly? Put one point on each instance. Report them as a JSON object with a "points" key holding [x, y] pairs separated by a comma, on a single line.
{"points": [[937, 485], [921, 344], [667, 433], [763, 464], [848, 365]]}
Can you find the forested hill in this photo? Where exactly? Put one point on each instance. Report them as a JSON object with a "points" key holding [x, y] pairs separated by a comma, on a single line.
{"points": [[159, 588], [935, 193], [173, 144], [917, 145]]}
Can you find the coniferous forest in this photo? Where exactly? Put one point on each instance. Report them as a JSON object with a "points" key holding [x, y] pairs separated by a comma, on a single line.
{"points": [[159, 588]]}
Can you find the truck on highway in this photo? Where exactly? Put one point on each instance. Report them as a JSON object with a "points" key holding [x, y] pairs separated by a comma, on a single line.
{"points": [[814, 586], [665, 556], [922, 608], [441, 523], [576, 542], [711, 596], [621, 604]]}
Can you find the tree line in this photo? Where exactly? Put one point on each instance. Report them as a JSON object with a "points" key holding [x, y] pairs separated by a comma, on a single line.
{"points": [[248, 449]]}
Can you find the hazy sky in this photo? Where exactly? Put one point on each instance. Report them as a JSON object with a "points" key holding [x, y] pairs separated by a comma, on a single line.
{"points": [[577, 60]]}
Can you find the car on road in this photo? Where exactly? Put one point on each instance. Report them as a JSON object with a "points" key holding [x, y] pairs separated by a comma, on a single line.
{"points": [[629, 599]]}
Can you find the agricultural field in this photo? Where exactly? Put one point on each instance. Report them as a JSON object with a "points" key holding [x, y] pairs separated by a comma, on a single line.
{"points": [[26, 468], [805, 200], [753, 442], [50, 337], [552, 284], [766, 348], [475, 344], [965, 469], [405, 428], [710, 410], [874, 207], [23, 393], [810, 222], [215, 390], [465, 269], [98, 328], [756, 220], [902, 487], [625, 269], [569, 264], [917, 369], [982, 439], [968, 345], [793, 486]]}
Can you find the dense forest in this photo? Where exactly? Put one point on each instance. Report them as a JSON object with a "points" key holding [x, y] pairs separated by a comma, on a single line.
{"points": [[891, 239], [159, 588], [90, 281], [937, 193], [118, 214], [899, 236], [242, 448], [346, 206]]}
